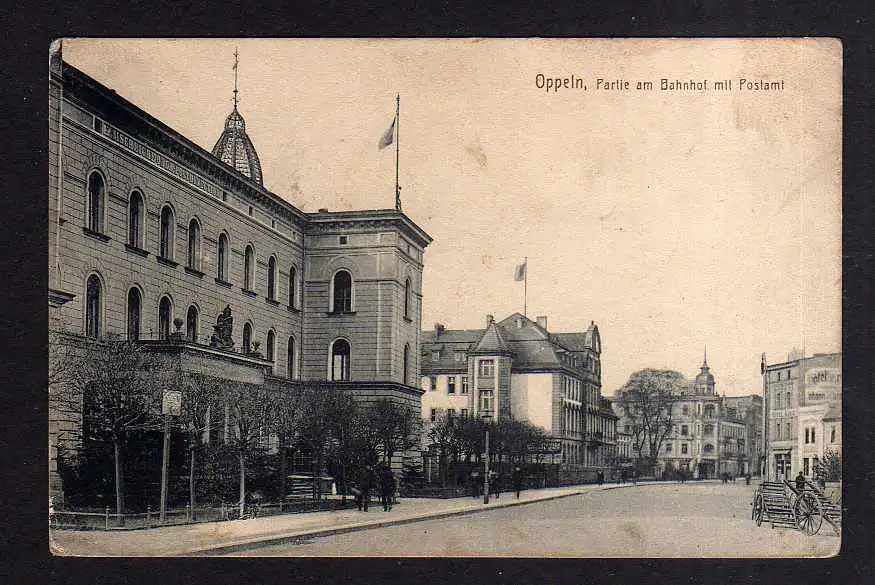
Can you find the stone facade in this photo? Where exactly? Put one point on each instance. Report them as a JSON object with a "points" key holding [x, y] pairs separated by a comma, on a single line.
{"points": [[550, 380], [801, 397], [206, 236]]}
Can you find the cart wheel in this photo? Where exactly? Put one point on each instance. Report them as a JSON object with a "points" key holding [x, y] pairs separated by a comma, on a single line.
{"points": [[757, 512], [809, 513]]}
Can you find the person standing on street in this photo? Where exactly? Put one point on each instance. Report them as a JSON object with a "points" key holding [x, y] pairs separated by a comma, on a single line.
{"points": [[365, 486], [517, 479], [800, 482], [387, 487]]}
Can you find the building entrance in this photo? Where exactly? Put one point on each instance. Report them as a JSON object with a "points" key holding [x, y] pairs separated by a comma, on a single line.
{"points": [[782, 466]]}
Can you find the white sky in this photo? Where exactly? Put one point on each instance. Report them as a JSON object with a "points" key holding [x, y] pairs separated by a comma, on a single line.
{"points": [[672, 219]]}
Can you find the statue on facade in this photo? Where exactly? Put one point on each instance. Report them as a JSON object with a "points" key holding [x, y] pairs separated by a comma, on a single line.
{"points": [[221, 337]]}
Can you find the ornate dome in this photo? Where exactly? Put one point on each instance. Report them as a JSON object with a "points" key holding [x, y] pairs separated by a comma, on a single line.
{"points": [[234, 148], [704, 383]]}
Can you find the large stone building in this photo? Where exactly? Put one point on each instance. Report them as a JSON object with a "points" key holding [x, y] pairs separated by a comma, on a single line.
{"points": [[710, 434], [151, 237], [802, 413], [516, 368]]}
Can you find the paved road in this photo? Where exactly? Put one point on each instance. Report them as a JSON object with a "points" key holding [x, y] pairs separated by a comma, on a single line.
{"points": [[663, 520]]}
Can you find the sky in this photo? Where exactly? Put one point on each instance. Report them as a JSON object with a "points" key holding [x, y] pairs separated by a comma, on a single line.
{"points": [[674, 219]]}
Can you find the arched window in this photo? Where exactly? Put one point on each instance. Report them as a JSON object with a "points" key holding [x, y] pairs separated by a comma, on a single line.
{"points": [[271, 344], [340, 360], [293, 287], [271, 278], [709, 448], [248, 267], [193, 258], [191, 324], [93, 306], [406, 365], [165, 246], [96, 196], [135, 304], [709, 411], [165, 318], [222, 258], [407, 298], [342, 292], [291, 358], [135, 220], [247, 338]]}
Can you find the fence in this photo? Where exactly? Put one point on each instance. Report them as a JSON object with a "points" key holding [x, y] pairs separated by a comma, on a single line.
{"points": [[106, 520]]}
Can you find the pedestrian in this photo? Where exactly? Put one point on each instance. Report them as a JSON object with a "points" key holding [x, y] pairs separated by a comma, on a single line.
{"points": [[493, 484], [800, 482], [387, 487], [623, 475], [747, 479], [357, 494], [600, 477], [517, 479], [474, 478], [365, 486]]}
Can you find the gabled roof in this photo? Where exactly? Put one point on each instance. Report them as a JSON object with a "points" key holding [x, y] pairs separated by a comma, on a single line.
{"points": [[492, 342]]}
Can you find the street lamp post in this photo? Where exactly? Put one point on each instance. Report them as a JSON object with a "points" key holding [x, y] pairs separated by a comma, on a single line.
{"points": [[171, 406], [487, 417]]}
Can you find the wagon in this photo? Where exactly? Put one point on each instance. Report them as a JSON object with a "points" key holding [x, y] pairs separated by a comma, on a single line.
{"points": [[780, 504]]}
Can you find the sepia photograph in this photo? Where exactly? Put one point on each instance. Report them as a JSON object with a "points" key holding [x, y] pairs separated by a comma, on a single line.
{"points": [[466, 298]]}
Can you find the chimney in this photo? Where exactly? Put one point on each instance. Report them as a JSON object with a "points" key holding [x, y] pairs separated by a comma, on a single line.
{"points": [[542, 321], [438, 330]]}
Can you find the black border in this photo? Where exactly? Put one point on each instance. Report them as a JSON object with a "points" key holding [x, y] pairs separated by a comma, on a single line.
{"points": [[23, 117]]}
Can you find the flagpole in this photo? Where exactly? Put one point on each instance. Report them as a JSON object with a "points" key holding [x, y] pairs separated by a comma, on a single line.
{"points": [[397, 149]]}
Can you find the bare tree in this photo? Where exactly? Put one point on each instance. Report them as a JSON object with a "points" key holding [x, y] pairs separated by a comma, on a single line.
{"points": [[647, 401], [201, 400], [442, 433], [251, 418], [393, 425], [287, 421], [113, 386]]}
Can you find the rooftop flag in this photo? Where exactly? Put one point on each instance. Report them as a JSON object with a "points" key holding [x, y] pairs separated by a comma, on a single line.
{"points": [[520, 272], [389, 136]]}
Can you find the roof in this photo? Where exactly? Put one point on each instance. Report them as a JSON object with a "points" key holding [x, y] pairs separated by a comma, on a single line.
{"points": [[235, 148], [531, 346], [834, 412]]}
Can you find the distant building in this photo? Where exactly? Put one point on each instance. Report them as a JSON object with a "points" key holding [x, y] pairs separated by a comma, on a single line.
{"points": [[517, 369], [749, 410], [802, 400], [710, 434]]}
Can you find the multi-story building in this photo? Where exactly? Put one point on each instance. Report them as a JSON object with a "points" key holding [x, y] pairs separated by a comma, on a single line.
{"points": [[802, 400], [708, 436], [749, 410], [153, 238], [517, 369]]}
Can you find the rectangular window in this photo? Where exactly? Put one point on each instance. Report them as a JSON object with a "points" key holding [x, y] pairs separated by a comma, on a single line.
{"points": [[435, 356], [464, 413], [487, 368], [668, 447], [451, 412], [805, 466], [685, 430], [459, 356], [486, 401], [433, 416], [684, 448], [464, 384], [344, 239], [812, 435], [432, 383], [806, 435], [451, 385]]}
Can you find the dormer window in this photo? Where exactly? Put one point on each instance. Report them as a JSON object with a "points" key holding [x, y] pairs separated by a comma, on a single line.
{"points": [[343, 240], [436, 356]]}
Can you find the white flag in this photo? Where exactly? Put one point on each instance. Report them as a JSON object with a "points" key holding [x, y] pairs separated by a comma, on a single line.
{"points": [[389, 137], [520, 272]]}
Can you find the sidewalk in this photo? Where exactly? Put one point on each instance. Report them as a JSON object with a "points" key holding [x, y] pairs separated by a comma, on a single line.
{"points": [[237, 535]]}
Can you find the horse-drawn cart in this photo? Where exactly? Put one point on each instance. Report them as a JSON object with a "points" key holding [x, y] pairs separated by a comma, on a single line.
{"points": [[782, 504]]}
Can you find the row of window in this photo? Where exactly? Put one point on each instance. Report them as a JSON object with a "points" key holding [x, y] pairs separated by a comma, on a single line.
{"points": [[451, 384], [341, 288], [340, 350], [786, 403], [709, 410], [451, 414]]}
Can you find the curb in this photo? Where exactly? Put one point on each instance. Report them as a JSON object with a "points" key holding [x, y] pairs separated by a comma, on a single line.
{"points": [[269, 540]]}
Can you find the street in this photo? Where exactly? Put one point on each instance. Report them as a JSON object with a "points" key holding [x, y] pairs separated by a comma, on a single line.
{"points": [[661, 520]]}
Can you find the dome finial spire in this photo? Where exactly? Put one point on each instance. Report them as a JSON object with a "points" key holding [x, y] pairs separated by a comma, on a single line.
{"points": [[236, 61], [705, 363]]}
